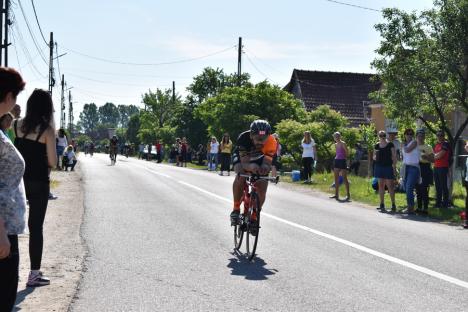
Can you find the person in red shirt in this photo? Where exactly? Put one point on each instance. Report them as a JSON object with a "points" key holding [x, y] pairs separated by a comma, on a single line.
{"points": [[158, 151], [442, 153]]}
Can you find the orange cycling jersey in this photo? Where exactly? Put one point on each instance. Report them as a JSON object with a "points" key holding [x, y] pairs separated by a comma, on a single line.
{"points": [[246, 147]]}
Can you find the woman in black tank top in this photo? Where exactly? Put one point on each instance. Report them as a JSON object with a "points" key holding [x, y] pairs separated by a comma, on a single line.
{"points": [[35, 139]]}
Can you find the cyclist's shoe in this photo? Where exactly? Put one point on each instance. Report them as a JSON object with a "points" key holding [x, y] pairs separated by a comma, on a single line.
{"points": [[253, 227], [235, 217], [36, 279]]}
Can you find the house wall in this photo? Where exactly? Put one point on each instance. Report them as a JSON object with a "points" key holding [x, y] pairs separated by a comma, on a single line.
{"points": [[377, 116]]}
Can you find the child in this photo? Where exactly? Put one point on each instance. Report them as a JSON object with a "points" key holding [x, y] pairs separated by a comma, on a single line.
{"points": [[69, 158]]}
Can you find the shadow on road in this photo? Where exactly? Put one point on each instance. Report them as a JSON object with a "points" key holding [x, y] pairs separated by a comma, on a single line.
{"points": [[21, 295], [252, 270]]}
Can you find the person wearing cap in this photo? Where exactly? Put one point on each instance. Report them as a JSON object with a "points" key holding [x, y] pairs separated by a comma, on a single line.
{"points": [[442, 153], [427, 177]]}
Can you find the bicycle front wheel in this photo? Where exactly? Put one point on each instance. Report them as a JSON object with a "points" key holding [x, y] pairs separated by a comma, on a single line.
{"points": [[253, 226], [238, 235]]}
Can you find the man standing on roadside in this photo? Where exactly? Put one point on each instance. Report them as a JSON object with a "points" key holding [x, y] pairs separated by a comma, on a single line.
{"points": [[442, 154]]}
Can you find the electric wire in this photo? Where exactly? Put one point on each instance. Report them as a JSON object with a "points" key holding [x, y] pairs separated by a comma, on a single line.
{"points": [[38, 24], [31, 32], [150, 64], [257, 69], [354, 5]]}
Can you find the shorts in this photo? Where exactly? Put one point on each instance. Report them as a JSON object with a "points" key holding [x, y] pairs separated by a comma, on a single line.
{"points": [[339, 164], [384, 172], [276, 162]]}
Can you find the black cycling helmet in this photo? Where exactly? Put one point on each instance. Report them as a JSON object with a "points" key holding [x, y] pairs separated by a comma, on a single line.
{"points": [[260, 127]]}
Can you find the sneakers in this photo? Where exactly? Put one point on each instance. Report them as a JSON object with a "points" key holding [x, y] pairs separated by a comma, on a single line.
{"points": [[36, 279], [393, 208], [52, 196], [235, 217], [382, 208]]}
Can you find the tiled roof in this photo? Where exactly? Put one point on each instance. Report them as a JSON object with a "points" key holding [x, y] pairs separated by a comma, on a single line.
{"points": [[344, 92]]}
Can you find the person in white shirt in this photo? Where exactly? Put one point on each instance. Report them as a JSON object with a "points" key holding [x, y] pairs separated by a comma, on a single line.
{"points": [[309, 155], [214, 149], [69, 158], [62, 144], [411, 155]]}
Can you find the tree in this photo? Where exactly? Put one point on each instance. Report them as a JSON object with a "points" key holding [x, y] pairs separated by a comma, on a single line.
{"points": [[235, 108], [158, 118], [133, 128], [213, 81], [125, 112], [321, 123], [89, 118], [423, 64], [109, 115]]}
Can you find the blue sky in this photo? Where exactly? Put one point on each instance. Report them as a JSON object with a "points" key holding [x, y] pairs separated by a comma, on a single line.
{"points": [[277, 37]]}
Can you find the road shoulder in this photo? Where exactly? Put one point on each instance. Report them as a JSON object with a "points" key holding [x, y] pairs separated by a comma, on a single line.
{"points": [[64, 250]]}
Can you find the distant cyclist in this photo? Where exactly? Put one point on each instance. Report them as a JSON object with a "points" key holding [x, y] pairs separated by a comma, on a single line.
{"points": [[253, 153], [113, 147]]}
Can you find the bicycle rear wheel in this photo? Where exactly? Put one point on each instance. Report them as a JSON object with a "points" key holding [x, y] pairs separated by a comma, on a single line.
{"points": [[253, 228]]}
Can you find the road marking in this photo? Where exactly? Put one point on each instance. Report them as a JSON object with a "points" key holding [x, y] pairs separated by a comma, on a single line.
{"points": [[349, 243]]}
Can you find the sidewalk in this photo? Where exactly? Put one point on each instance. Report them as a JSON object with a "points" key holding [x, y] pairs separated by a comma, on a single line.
{"points": [[64, 250]]}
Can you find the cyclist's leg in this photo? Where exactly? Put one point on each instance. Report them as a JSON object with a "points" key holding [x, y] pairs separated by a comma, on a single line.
{"points": [[238, 186], [262, 187]]}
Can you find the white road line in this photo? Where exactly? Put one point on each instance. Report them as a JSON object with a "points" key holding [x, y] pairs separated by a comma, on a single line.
{"points": [[375, 253], [349, 243]]}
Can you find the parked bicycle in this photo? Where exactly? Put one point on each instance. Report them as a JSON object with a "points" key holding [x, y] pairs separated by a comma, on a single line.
{"points": [[249, 221]]}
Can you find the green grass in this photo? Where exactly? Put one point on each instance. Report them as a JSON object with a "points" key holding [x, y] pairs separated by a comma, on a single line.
{"points": [[361, 191]]}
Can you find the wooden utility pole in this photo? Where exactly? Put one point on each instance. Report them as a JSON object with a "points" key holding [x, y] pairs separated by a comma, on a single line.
{"points": [[51, 64], [1, 29], [70, 113], [4, 24], [62, 104], [173, 92], [239, 62]]}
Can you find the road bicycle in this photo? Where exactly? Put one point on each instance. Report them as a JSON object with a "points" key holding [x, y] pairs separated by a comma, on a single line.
{"points": [[113, 156], [248, 224]]}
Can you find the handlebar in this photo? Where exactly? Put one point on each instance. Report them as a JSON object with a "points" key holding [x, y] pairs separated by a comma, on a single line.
{"points": [[259, 177]]}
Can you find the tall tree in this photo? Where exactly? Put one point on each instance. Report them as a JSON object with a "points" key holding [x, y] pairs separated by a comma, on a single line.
{"points": [[212, 81], [109, 115], [125, 112], [89, 118], [157, 119], [235, 108], [132, 129], [423, 63]]}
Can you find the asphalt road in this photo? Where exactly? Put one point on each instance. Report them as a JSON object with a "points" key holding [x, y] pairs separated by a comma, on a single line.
{"points": [[159, 239]]}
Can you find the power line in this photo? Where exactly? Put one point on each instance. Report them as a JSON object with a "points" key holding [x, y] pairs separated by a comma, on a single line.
{"points": [[30, 32], [149, 64], [257, 69], [38, 24], [354, 5]]}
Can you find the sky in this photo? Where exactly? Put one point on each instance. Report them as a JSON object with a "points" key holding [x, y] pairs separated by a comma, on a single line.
{"points": [[118, 50]]}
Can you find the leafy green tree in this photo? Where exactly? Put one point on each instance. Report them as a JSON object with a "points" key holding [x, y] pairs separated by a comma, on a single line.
{"points": [[159, 116], [321, 123], [213, 81], [125, 112], [423, 63], [89, 118], [109, 115], [235, 108], [133, 128]]}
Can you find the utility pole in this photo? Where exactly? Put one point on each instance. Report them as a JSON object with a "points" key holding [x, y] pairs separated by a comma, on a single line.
{"points": [[51, 64], [62, 104], [1, 29], [4, 24], [239, 62], [173, 92], [70, 113]]}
